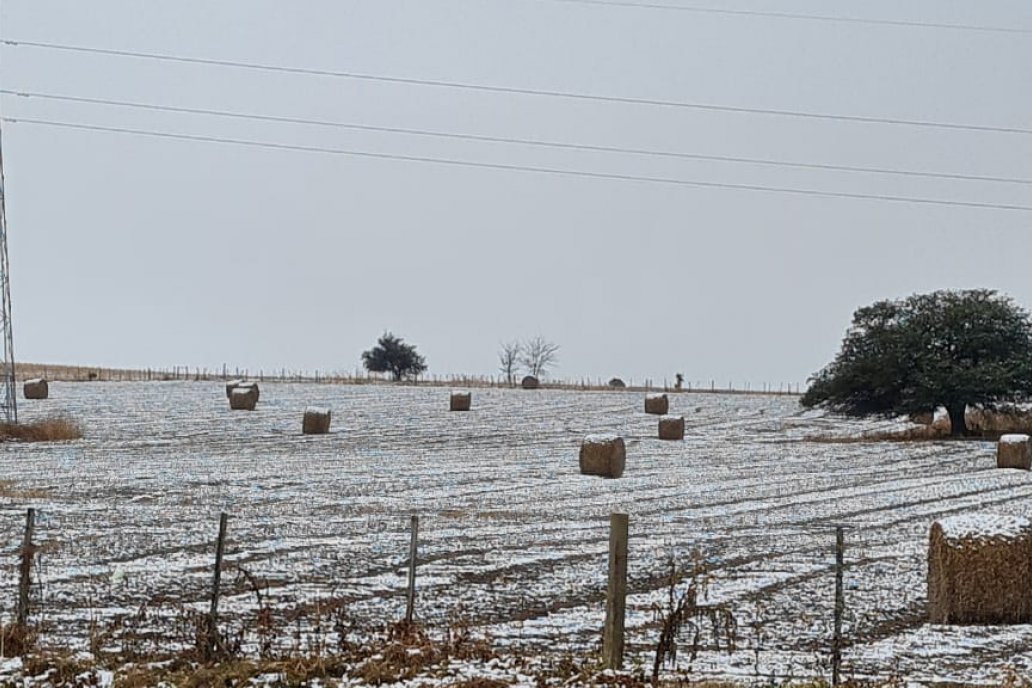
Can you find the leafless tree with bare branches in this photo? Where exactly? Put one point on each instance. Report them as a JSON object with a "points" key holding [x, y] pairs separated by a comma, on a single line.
{"points": [[509, 358], [538, 354]]}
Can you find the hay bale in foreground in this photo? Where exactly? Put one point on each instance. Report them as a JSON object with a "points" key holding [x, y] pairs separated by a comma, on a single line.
{"points": [[243, 398], [671, 428], [1014, 451], [231, 385], [36, 388], [603, 455], [978, 570], [530, 382], [316, 421], [460, 401], [617, 383], [657, 404]]}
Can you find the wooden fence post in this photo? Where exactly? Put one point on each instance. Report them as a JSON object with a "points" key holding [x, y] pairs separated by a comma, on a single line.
{"points": [[27, 555], [616, 595], [213, 615], [410, 602], [840, 607]]}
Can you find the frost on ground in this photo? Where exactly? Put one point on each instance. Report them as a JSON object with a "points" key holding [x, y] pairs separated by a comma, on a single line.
{"points": [[513, 539]]}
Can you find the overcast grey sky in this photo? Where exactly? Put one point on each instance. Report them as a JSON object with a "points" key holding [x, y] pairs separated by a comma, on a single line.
{"points": [[135, 251]]}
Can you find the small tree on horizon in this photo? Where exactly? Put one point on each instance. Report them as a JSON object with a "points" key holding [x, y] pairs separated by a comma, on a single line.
{"points": [[509, 360], [948, 348], [392, 354], [538, 354]]}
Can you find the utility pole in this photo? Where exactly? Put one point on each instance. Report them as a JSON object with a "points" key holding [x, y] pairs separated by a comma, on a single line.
{"points": [[8, 395]]}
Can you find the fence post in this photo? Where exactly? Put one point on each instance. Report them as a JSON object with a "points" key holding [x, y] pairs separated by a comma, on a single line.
{"points": [[616, 595], [213, 615], [410, 601], [840, 606], [27, 555]]}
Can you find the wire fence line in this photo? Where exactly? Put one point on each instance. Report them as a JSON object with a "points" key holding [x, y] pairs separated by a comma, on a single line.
{"points": [[229, 599], [59, 373]]}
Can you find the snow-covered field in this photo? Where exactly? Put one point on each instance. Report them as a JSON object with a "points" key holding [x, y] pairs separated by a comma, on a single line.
{"points": [[512, 537]]}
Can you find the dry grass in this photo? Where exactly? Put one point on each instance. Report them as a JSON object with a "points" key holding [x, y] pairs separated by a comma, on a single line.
{"points": [[921, 433], [1001, 421], [55, 429], [9, 490], [17, 639]]}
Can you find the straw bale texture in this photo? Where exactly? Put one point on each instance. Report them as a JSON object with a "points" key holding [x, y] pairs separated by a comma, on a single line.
{"points": [[657, 404], [316, 421], [530, 382], [231, 385], [978, 570], [235, 384], [1014, 451], [671, 428], [461, 401], [603, 455], [244, 398], [1002, 420], [36, 389], [617, 383], [922, 417]]}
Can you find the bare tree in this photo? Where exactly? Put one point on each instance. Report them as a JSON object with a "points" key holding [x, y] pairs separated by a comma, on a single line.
{"points": [[509, 358], [538, 355]]}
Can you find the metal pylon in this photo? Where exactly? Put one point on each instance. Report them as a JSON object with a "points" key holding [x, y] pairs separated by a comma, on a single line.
{"points": [[8, 394]]}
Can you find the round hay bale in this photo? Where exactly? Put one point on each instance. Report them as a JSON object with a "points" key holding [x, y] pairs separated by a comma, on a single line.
{"points": [[234, 384], [530, 382], [978, 567], [243, 398], [1014, 451], [316, 421], [617, 383], [657, 404], [922, 417], [460, 401], [603, 455], [671, 428], [36, 388]]}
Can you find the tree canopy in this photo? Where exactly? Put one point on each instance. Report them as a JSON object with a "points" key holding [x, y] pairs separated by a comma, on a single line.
{"points": [[948, 348], [393, 354]]}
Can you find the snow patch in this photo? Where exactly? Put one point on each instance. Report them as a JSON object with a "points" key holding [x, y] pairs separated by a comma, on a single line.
{"points": [[985, 526], [1014, 439]]}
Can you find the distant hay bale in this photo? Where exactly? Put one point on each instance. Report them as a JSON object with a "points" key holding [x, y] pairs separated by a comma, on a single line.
{"points": [[316, 421], [603, 455], [1014, 451], [243, 398], [671, 428], [530, 382], [36, 389], [657, 404], [460, 401], [978, 570], [234, 384], [922, 417], [617, 383]]}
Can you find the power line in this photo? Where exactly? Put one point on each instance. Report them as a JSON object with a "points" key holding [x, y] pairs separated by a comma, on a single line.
{"points": [[511, 140], [518, 168], [512, 90], [793, 15]]}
